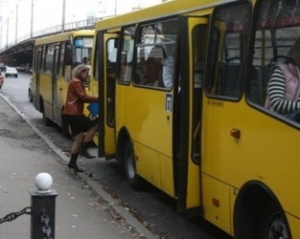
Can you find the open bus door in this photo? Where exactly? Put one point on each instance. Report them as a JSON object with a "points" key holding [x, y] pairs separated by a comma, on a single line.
{"points": [[104, 83], [36, 77], [188, 185]]}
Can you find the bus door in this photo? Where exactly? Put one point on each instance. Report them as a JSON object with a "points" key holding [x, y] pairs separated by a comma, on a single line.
{"points": [[55, 89], [36, 77], [105, 83], [189, 114]]}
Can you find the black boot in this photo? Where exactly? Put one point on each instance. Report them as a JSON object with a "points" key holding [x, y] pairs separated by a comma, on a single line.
{"points": [[73, 164], [84, 151]]}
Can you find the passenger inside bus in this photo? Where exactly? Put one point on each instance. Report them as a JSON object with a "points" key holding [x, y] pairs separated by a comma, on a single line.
{"points": [[283, 94], [152, 68], [84, 60], [168, 67]]}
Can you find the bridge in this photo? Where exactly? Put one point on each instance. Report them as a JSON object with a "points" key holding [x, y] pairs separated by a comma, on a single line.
{"points": [[21, 50]]}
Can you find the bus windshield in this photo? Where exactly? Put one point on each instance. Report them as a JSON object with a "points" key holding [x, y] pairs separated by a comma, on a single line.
{"points": [[83, 50]]}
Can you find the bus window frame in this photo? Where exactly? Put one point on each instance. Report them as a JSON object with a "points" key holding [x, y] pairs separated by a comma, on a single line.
{"points": [[119, 55], [49, 58], [75, 50], [43, 59], [162, 44], [210, 82], [38, 59], [259, 107], [196, 119]]}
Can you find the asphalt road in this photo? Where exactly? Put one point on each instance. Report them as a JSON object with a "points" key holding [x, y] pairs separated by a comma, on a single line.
{"points": [[153, 208]]}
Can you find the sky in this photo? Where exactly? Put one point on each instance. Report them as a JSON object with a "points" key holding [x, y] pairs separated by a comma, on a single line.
{"points": [[17, 14]]}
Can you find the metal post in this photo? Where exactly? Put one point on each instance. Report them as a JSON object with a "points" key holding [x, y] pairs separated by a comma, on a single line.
{"points": [[116, 7], [7, 27], [31, 19], [43, 208], [63, 16], [16, 23], [1, 26]]}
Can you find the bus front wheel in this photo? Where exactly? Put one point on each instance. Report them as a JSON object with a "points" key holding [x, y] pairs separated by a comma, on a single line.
{"points": [[272, 224], [135, 181]]}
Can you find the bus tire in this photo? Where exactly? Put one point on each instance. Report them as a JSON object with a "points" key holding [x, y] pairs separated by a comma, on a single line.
{"points": [[273, 223], [135, 181]]}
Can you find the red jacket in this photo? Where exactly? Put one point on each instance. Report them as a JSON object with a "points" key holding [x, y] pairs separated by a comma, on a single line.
{"points": [[76, 97]]}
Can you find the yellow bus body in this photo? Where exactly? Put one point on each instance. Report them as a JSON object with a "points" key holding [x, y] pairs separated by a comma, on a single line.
{"points": [[248, 155], [50, 84]]}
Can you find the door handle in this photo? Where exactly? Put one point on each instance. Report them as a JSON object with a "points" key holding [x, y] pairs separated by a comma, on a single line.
{"points": [[236, 133]]}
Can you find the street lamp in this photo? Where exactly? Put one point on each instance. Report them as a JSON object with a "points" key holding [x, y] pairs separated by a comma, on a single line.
{"points": [[17, 7], [63, 16], [31, 19], [7, 31]]}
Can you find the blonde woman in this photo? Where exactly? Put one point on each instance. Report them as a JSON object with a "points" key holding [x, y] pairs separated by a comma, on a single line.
{"points": [[83, 128]]}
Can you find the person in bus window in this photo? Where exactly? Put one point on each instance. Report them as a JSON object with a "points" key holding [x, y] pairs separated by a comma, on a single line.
{"points": [[85, 61], [83, 128], [152, 68], [284, 85], [168, 67]]}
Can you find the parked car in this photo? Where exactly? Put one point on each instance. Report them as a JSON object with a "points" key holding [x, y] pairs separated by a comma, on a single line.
{"points": [[24, 68], [21, 67], [11, 71], [1, 80], [2, 67]]}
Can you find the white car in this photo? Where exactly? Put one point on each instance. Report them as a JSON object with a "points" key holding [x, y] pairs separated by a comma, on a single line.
{"points": [[11, 71]]}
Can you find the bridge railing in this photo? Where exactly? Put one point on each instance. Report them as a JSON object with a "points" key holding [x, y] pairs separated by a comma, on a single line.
{"points": [[82, 24]]}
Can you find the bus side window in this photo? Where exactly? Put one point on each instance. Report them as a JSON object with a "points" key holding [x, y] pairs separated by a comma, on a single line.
{"points": [[156, 54], [227, 51], [150, 70], [125, 67], [43, 60], [49, 59], [110, 80], [61, 70], [39, 54], [68, 62]]}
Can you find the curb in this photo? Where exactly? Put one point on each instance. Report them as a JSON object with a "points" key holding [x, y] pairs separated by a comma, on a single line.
{"points": [[132, 221]]}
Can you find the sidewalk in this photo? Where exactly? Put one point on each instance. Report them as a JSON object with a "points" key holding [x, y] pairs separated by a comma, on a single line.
{"points": [[83, 209]]}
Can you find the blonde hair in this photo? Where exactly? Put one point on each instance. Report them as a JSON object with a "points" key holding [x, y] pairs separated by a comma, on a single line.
{"points": [[76, 73]]}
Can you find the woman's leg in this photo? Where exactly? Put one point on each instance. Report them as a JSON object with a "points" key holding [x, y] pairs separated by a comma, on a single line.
{"points": [[89, 135], [87, 138], [78, 139], [74, 152]]}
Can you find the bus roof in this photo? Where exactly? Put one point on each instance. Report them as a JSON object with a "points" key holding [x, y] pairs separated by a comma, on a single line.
{"points": [[165, 9], [63, 36]]}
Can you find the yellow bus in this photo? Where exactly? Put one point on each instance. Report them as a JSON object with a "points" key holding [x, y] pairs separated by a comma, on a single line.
{"points": [[53, 60], [205, 138]]}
